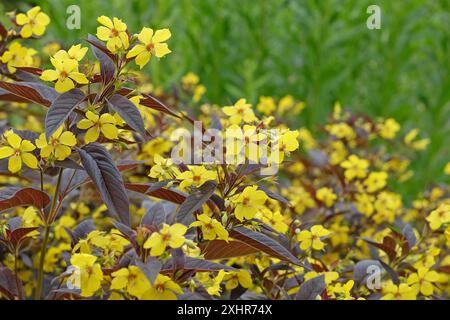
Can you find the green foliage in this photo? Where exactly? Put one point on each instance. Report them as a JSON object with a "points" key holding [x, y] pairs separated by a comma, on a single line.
{"points": [[318, 51]]}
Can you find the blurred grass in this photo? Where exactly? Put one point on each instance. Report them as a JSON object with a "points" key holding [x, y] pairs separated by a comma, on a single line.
{"points": [[318, 51]]}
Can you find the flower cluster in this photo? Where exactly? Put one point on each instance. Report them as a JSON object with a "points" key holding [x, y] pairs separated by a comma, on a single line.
{"points": [[93, 203]]}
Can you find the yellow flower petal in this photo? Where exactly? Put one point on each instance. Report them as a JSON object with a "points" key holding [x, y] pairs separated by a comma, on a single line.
{"points": [[161, 35], [30, 160], [64, 85], [68, 139], [161, 49], [145, 36], [62, 152], [27, 146], [6, 152], [137, 49], [15, 164], [110, 131], [26, 31], [104, 20], [103, 33], [92, 135], [143, 58], [85, 124], [49, 75], [78, 77], [14, 140], [21, 19]]}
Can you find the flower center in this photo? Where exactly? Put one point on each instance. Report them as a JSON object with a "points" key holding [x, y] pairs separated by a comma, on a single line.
{"points": [[160, 287], [63, 74], [114, 33], [150, 46], [196, 178], [54, 141], [165, 236]]}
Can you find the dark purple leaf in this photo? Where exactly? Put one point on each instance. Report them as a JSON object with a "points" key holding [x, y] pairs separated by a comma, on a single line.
{"points": [[15, 197], [61, 108], [128, 112], [100, 167], [311, 288]]}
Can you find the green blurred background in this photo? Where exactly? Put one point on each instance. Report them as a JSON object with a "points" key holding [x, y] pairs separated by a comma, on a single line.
{"points": [[318, 51]]}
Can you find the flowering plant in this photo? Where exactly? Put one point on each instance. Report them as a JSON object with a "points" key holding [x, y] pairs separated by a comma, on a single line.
{"points": [[111, 199]]}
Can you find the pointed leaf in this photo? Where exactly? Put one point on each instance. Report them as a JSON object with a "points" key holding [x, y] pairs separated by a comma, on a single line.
{"points": [[128, 112], [157, 192], [311, 288], [100, 167], [195, 202], [151, 268], [220, 249], [107, 66], [31, 91], [263, 243], [61, 108], [15, 197]]}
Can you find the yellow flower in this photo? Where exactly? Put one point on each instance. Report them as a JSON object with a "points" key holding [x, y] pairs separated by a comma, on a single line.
{"points": [[355, 167], [65, 74], [312, 238], [422, 281], [286, 143], [330, 276], [275, 219], [246, 138], [189, 81], [376, 181], [447, 168], [173, 236], [398, 292], [388, 129], [64, 223], [113, 32], [76, 53], [17, 56], [163, 169], [18, 151], [240, 111], [196, 176], [420, 144], [248, 202], [199, 91], [439, 216], [215, 288], [211, 228], [241, 277], [341, 131], [266, 105], [150, 43], [51, 48], [106, 124], [326, 195], [30, 218], [132, 280], [33, 22], [342, 291], [164, 288], [59, 146], [95, 238], [87, 275]]}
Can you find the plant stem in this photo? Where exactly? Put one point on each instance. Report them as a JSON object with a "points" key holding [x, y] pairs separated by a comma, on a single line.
{"points": [[47, 227], [41, 264], [16, 274]]}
